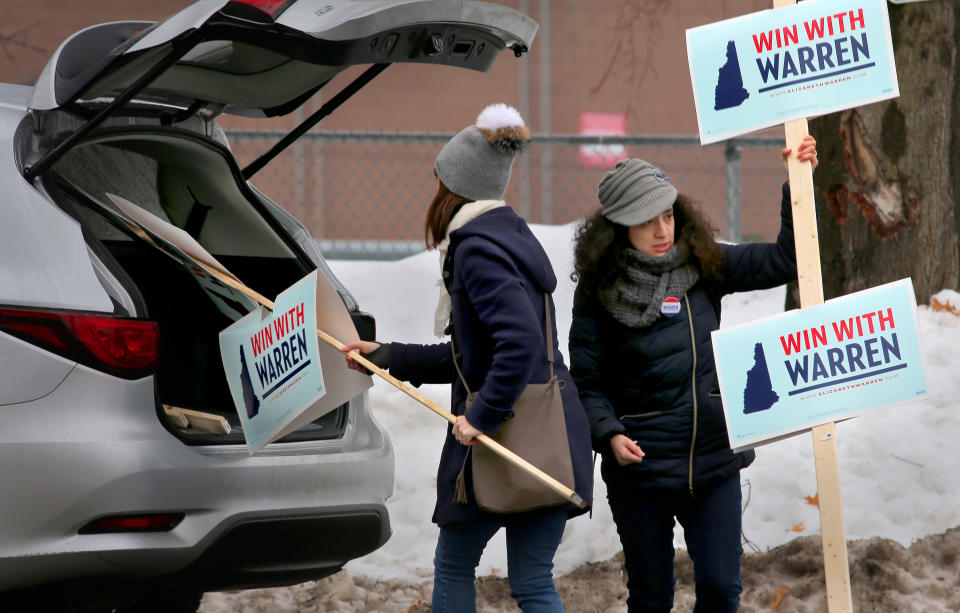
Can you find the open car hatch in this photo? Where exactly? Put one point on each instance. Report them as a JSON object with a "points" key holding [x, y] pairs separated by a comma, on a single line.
{"points": [[260, 58]]}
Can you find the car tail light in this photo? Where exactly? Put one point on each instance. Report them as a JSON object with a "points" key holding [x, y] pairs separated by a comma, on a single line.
{"points": [[119, 346], [270, 8], [162, 522]]}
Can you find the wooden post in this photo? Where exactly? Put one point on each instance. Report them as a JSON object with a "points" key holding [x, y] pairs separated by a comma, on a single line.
{"points": [[832, 532]]}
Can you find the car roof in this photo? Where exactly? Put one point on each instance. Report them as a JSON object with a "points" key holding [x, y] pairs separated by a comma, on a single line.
{"points": [[237, 57]]}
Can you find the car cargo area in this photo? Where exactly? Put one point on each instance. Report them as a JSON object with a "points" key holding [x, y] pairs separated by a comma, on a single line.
{"points": [[192, 185]]}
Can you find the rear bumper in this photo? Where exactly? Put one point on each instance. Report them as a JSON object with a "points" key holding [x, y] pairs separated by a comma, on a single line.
{"points": [[286, 550], [262, 552]]}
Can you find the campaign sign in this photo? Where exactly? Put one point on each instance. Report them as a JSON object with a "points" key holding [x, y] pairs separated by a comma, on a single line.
{"points": [[272, 363], [821, 364], [766, 68]]}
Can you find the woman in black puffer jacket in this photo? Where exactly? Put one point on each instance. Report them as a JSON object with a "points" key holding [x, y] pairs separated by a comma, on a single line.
{"points": [[650, 277]]}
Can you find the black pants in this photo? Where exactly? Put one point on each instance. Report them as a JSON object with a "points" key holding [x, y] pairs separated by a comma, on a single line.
{"points": [[711, 524]]}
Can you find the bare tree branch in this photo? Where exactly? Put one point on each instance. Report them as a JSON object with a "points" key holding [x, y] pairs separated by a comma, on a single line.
{"points": [[17, 39], [635, 37], [637, 33]]}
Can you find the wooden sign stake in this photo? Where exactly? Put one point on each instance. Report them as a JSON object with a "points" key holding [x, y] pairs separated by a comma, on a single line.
{"points": [[832, 532]]}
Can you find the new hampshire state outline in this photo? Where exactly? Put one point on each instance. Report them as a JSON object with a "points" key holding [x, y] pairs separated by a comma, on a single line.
{"points": [[758, 395], [729, 91]]}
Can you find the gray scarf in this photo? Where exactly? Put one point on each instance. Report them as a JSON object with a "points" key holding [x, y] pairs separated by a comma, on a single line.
{"points": [[646, 280]]}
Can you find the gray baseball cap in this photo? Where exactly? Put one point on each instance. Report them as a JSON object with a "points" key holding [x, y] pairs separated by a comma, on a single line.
{"points": [[635, 192]]}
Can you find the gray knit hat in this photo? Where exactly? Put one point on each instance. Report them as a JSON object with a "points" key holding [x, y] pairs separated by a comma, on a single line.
{"points": [[476, 162], [635, 192]]}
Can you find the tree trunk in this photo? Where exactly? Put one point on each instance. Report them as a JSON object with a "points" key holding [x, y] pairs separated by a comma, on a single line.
{"points": [[889, 172]]}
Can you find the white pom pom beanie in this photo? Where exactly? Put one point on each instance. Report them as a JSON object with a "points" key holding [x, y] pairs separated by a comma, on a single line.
{"points": [[477, 161]]}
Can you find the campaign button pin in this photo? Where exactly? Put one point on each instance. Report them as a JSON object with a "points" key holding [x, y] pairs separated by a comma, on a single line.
{"points": [[670, 306]]}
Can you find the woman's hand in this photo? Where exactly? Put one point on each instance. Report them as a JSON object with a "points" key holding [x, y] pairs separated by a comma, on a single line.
{"points": [[806, 152], [362, 347], [625, 450], [464, 432]]}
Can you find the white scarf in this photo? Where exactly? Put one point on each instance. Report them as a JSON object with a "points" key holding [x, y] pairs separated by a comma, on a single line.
{"points": [[466, 213]]}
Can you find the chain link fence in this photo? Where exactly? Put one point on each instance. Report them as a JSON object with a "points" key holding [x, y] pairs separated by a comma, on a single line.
{"points": [[364, 195]]}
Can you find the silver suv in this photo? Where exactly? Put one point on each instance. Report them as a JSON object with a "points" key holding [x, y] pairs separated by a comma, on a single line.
{"points": [[106, 502]]}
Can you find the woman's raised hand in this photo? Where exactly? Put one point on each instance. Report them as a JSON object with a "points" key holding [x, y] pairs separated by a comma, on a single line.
{"points": [[806, 152]]}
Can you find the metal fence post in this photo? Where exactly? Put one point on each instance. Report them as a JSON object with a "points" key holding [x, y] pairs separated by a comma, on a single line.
{"points": [[731, 154], [300, 190], [546, 112], [525, 205]]}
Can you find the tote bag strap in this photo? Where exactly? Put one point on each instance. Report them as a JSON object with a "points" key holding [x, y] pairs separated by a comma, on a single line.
{"points": [[549, 336]]}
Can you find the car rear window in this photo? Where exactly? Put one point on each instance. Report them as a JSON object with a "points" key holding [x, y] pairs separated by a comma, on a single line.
{"points": [[183, 182]]}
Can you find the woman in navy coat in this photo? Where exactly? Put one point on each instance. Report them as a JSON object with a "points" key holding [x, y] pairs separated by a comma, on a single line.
{"points": [[495, 273], [650, 277]]}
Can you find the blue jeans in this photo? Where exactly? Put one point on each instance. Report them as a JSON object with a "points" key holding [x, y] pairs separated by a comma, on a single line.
{"points": [[532, 541], [711, 523]]}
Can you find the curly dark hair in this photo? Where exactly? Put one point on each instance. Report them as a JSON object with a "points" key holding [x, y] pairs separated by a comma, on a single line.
{"points": [[599, 249]]}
